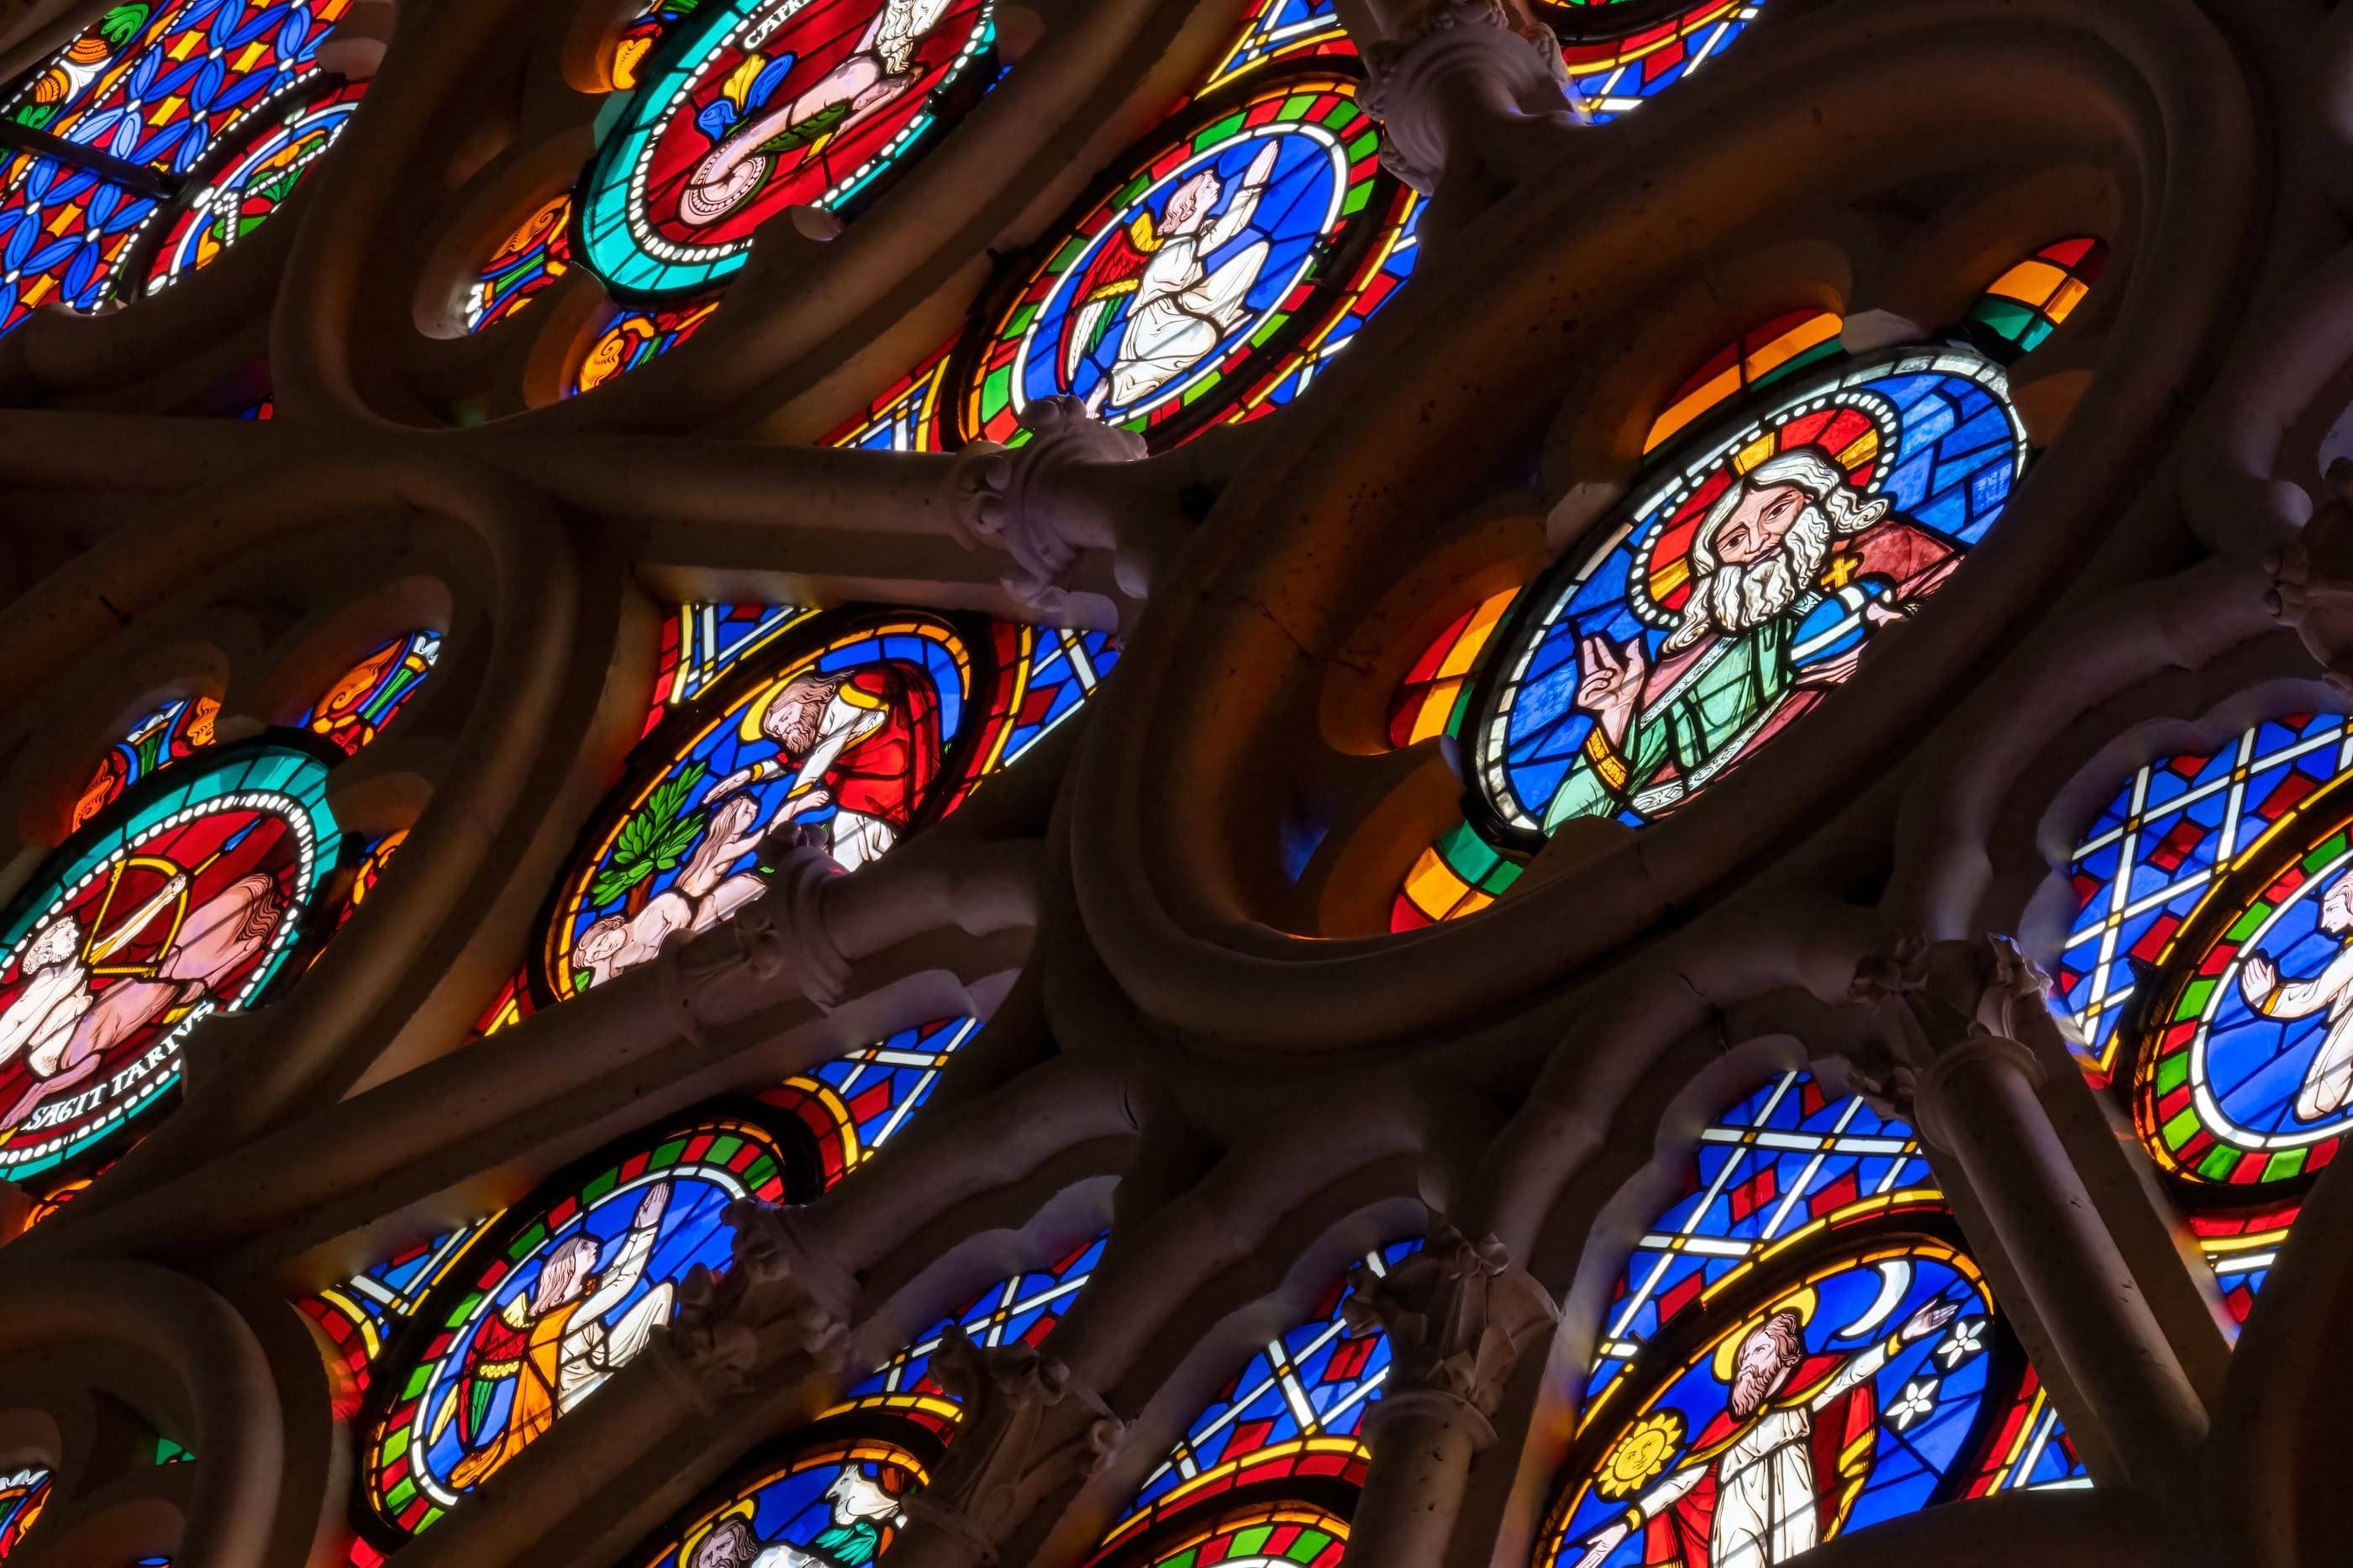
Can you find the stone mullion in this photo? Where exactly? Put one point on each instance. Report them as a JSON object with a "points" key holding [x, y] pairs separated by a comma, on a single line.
{"points": [[1942, 1023]]}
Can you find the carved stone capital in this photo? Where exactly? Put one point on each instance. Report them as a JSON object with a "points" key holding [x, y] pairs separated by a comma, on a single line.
{"points": [[2312, 582], [782, 1294], [1029, 1429], [1458, 1314], [1510, 62], [783, 934], [1018, 501], [1929, 1012]]}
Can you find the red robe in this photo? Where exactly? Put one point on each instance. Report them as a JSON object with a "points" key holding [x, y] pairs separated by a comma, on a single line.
{"points": [[1841, 1446], [885, 775]]}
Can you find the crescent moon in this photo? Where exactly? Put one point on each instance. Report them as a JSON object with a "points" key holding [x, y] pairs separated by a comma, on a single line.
{"points": [[1895, 1279]]}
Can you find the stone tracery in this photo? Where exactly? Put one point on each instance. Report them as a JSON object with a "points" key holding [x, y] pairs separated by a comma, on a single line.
{"points": [[1173, 910]]}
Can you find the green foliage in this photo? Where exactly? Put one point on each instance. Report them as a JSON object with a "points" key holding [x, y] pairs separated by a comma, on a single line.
{"points": [[121, 23], [655, 838]]}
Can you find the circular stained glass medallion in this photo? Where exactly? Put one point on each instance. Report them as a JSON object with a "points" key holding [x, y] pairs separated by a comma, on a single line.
{"points": [[1172, 296], [750, 107], [543, 1307], [182, 899], [1738, 584]]}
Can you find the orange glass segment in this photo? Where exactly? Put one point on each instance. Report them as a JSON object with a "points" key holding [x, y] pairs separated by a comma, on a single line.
{"points": [[1735, 367]]}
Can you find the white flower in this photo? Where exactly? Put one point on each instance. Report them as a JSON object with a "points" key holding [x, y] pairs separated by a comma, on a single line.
{"points": [[1967, 1339], [1919, 1399]]}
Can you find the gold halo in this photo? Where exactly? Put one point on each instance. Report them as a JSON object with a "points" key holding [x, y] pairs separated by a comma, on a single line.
{"points": [[747, 728], [742, 1507], [1801, 1302]]}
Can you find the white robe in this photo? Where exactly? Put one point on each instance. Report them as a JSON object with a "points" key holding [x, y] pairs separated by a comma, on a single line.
{"points": [[1767, 1508], [2328, 1081], [591, 1353], [1181, 315]]}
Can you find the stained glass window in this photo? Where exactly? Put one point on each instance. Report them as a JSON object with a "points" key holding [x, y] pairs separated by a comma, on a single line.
{"points": [[1386, 267], [652, 22], [853, 1103], [1801, 1347], [1431, 699], [535, 255], [1281, 1535], [2179, 825], [2026, 304], [632, 338], [906, 418], [1741, 581], [23, 1490], [165, 909], [1787, 1157], [1613, 72], [834, 1489], [1263, 204], [763, 105], [1282, 29], [536, 1313], [237, 199], [1290, 1417], [377, 853], [2241, 1247], [130, 111], [839, 1500], [1043, 676], [862, 724], [851, 727], [180, 727], [1022, 1310], [511, 1006], [363, 698], [360, 1316], [1786, 344], [701, 641], [1458, 874], [2211, 899]]}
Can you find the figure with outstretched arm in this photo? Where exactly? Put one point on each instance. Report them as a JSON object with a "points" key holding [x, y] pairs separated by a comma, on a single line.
{"points": [[846, 742], [592, 1352], [2328, 1085], [1182, 307], [1763, 1482], [551, 1341]]}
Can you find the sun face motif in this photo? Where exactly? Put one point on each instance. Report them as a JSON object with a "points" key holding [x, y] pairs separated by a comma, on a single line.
{"points": [[1638, 1458]]}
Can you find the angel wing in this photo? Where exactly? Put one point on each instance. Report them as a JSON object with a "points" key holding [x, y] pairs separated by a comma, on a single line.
{"points": [[494, 1354], [1116, 272]]}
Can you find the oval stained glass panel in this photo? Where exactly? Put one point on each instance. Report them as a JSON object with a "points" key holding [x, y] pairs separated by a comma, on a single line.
{"points": [[182, 900], [541, 1311], [1188, 285], [845, 733], [754, 106], [1740, 584]]}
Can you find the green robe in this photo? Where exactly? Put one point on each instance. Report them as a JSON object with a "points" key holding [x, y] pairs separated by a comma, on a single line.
{"points": [[1717, 705]]}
